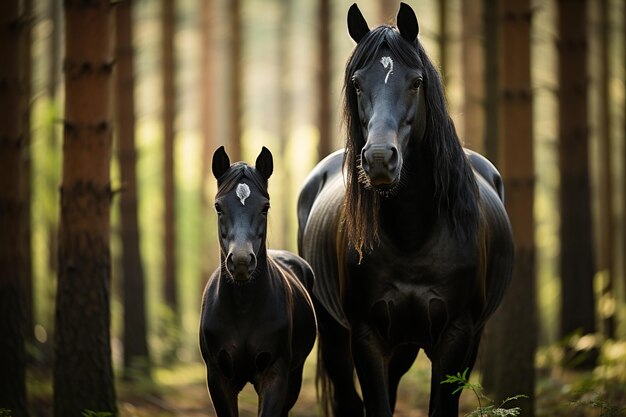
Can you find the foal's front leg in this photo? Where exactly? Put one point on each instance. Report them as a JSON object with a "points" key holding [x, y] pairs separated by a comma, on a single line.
{"points": [[372, 368], [223, 394]]}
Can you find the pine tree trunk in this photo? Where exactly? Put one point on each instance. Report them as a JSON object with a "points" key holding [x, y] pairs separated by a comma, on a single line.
{"points": [[26, 268], [514, 326], [83, 374], [236, 79], [387, 10], [136, 355], [443, 39], [607, 224], [209, 143], [324, 79], [473, 60], [576, 262], [169, 100], [12, 354], [491, 76]]}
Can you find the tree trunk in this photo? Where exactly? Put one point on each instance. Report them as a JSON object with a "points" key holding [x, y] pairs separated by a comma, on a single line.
{"points": [[283, 112], [12, 354], [443, 39], [324, 79], [491, 79], [576, 262], [83, 374], [514, 326], [26, 268], [209, 143], [236, 79], [387, 10], [607, 224], [169, 100], [136, 355], [473, 60]]}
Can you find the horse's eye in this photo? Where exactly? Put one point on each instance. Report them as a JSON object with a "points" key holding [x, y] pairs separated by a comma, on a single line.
{"points": [[218, 208], [356, 84], [417, 84], [266, 208]]}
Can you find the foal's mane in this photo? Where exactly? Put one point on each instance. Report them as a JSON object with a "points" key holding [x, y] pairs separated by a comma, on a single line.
{"points": [[233, 176], [453, 182]]}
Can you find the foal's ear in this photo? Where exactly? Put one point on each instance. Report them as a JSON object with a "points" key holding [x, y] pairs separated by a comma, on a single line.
{"points": [[357, 26], [407, 23], [265, 163], [221, 162]]}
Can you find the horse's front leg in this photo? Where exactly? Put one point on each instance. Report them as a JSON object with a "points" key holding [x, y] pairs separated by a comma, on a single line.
{"points": [[372, 367], [223, 394], [272, 389], [454, 352]]}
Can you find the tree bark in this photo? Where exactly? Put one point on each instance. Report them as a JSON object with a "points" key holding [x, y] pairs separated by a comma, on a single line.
{"points": [[136, 354], [324, 79], [473, 69], [514, 326], [236, 80], [169, 100], [387, 10], [443, 39], [83, 374], [12, 354], [576, 262], [491, 79], [606, 258]]}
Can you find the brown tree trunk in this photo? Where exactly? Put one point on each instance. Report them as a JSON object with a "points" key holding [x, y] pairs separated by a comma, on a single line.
{"points": [[83, 374], [473, 60], [284, 117], [236, 79], [606, 259], [209, 143], [169, 100], [491, 79], [136, 355], [26, 268], [443, 39], [324, 79], [576, 262], [387, 10], [12, 354], [514, 326]]}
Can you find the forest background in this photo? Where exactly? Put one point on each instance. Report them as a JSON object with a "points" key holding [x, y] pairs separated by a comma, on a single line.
{"points": [[252, 73]]}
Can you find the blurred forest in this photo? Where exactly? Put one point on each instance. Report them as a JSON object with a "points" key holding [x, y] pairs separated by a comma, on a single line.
{"points": [[121, 105]]}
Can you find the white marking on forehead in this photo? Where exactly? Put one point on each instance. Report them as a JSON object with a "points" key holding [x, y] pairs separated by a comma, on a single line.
{"points": [[387, 62], [243, 192]]}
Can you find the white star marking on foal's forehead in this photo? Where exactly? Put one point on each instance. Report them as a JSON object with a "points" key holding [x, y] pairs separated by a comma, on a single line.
{"points": [[387, 62], [243, 192]]}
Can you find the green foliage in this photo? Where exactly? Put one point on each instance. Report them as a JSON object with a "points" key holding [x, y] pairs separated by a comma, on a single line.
{"points": [[5, 413], [596, 401], [491, 410]]}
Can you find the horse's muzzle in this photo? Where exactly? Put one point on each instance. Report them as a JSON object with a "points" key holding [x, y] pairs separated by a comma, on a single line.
{"points": [[241, 265], [380, 164]]}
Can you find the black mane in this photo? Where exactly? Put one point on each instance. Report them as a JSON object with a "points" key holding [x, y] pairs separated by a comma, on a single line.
{"points": [[455, 190]]}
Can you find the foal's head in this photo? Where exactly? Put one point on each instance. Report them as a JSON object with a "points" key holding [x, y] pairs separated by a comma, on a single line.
{"points": [[242, 204]]}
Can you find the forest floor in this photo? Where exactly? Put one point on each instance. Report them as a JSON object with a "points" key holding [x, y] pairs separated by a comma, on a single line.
{"points": [[181, 392]]}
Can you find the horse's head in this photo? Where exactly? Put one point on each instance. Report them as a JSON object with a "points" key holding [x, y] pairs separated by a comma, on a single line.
{"points": [[242, 203], [384, 98]]}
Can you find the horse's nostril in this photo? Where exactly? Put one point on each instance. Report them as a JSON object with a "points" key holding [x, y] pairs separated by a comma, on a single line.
{"points": [[230, 265], [252, 264], [392, 160]]}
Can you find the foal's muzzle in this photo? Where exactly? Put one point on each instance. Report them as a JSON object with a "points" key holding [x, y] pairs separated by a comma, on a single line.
{"points": [[380, 163], [241, 264]]}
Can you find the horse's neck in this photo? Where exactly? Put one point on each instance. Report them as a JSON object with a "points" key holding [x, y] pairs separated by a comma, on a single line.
{"points": [[408, 216]]}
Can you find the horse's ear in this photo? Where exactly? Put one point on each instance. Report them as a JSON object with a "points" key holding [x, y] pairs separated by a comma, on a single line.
{"points": [[407, 23], [265, 163], [357, 26], [221, 162]]}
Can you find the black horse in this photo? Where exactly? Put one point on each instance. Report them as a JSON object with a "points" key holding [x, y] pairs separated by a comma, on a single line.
{"points": [[258, 323], [411, 245]]}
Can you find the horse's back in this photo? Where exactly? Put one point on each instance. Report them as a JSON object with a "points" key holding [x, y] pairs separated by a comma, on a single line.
{"points": [[498, 236], [313, 185]]}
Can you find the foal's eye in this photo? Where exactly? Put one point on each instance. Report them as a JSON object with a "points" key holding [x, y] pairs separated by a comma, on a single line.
{"points": [[218, 208], [356, 84], [417, 84], [266, 208]]}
